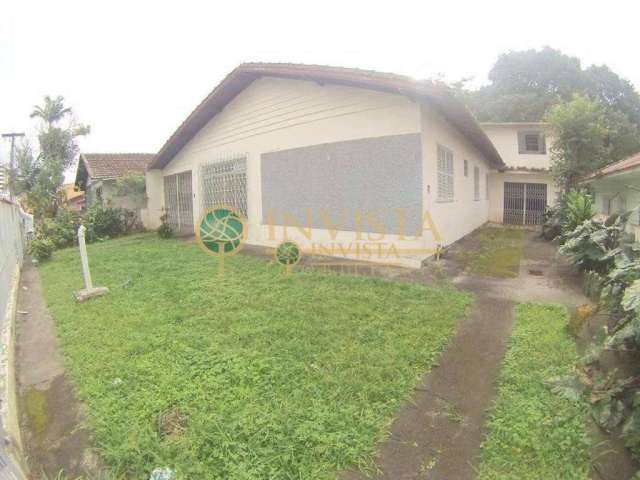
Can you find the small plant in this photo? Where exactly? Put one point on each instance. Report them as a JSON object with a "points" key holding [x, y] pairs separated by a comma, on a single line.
{"points": [[578, 208], [165, 230], [41, 249]]}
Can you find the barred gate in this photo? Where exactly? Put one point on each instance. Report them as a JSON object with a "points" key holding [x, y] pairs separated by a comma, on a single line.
{"points": [[224, 182], [178, 200], [524, 203]]}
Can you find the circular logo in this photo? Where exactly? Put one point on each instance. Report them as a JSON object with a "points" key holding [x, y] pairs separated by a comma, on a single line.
{"points": [[288, 253], [221, 231]]}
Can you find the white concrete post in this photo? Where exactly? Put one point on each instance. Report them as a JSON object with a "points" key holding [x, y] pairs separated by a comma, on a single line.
{"points": [[88, 285]]}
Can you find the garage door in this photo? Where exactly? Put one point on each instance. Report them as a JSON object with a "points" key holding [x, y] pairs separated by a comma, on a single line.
{"points": [[178, 200], [524, 203]]}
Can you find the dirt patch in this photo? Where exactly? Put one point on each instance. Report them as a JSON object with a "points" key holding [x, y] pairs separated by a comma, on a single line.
{"points": [[51, 420]]}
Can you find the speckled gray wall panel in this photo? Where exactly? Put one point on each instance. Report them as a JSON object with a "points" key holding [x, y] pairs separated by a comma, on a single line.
{"points": [[378, 175]]}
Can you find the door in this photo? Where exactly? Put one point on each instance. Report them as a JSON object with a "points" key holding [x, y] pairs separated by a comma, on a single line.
{"points": [[524, 203], [178, 200]]}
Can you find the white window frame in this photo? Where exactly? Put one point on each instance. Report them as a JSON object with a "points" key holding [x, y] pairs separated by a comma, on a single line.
{"points": [[445, 174], [476, 183]]}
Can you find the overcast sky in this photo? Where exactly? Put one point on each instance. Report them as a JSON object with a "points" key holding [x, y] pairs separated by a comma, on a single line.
{"points": [[134, 70]]}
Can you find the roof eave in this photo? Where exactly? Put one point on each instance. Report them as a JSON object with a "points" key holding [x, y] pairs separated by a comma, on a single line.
{"points": [[245, 74]]}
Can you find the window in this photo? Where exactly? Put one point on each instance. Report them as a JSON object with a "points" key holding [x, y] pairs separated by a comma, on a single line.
{"points": [[476, 183], [466, 168], [486, 186], [531, 143], [224, 182], [445, 174]]}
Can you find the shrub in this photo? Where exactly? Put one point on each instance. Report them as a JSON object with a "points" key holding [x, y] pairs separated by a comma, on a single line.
{"points": [[165, 230], [105, 222], [573, 209], [41, 248], [594, 244], [552, 226], [578, 208], [62, 229]]}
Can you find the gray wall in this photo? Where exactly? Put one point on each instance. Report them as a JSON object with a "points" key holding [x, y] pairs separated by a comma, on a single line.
{"points": [[377, 175], [15, 228]]}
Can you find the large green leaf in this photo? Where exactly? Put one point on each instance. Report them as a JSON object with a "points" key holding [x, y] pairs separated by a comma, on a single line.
{"points": [[631, 297]]}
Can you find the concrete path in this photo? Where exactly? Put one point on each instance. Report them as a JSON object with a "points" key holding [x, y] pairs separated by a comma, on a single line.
{"points": [[438, 435], [51, 421]]}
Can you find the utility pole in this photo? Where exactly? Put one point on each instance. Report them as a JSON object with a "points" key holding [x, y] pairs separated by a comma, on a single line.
{"points": [[12, 136]]}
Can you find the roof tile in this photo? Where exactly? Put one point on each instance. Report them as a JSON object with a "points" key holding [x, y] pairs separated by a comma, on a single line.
{"points": [[113, 165]]}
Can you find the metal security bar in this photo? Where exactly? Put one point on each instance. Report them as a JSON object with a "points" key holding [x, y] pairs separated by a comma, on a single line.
{"points": [[524, 203], [178, 200], [536, 202], [224, 182]]}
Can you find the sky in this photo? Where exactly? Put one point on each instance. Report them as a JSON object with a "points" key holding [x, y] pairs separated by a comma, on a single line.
{"points": [[134, 70]]}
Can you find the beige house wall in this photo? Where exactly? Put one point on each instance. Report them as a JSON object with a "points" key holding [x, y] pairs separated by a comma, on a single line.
{"points": [[622, 193], [276, 114], [496, 189], [453, 219], [505, 138]]}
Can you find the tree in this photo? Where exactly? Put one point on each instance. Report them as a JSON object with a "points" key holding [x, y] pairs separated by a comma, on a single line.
{"points": [[130, 184], [525, 84], [613, 91], [40, 177], [579, 132]]}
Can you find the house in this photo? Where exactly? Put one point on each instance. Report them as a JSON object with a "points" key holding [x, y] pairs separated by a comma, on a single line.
{"points": [[345, 162], [97, 174], [72, 198], [522, 189], [616, 189]]}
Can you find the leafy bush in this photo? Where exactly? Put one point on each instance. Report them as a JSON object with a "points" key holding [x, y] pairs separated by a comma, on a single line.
{"points": [[552, 225], [578, 208], [62, 229], [106, 222], [165, 230], [41, 248], [573, 209], [594, 244]]}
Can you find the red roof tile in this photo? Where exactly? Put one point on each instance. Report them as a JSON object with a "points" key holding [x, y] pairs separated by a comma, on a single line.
{"points": [[616, 167], [113, 165]]}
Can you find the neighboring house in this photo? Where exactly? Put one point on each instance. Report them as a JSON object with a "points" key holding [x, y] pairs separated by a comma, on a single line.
{"points": [[97, 174], [339, 160], [617, 189], [73, 199], [522, 189]]}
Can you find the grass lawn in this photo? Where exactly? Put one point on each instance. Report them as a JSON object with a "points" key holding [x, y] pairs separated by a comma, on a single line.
{"points": [[495, 252], [253, 375], [533, 433]]}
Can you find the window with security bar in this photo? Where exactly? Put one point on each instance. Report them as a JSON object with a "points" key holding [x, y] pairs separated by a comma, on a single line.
{"points": [[445, 174], [224, 182]]}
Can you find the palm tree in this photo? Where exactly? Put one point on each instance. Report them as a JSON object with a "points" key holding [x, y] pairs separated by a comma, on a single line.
{"points": [[52, 111]]}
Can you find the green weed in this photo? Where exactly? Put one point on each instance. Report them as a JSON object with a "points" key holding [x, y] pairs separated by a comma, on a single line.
{"points": [[251, 375], [532, 432]]}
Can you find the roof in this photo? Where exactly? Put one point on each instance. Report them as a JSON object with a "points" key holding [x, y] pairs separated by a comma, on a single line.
{"points": [[514, 124], [113, 165], [431, 93], [630, 163]]}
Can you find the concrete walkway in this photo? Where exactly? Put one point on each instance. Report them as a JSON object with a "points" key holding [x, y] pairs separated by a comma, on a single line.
{"points": [[51, 421], [438, 435]]}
